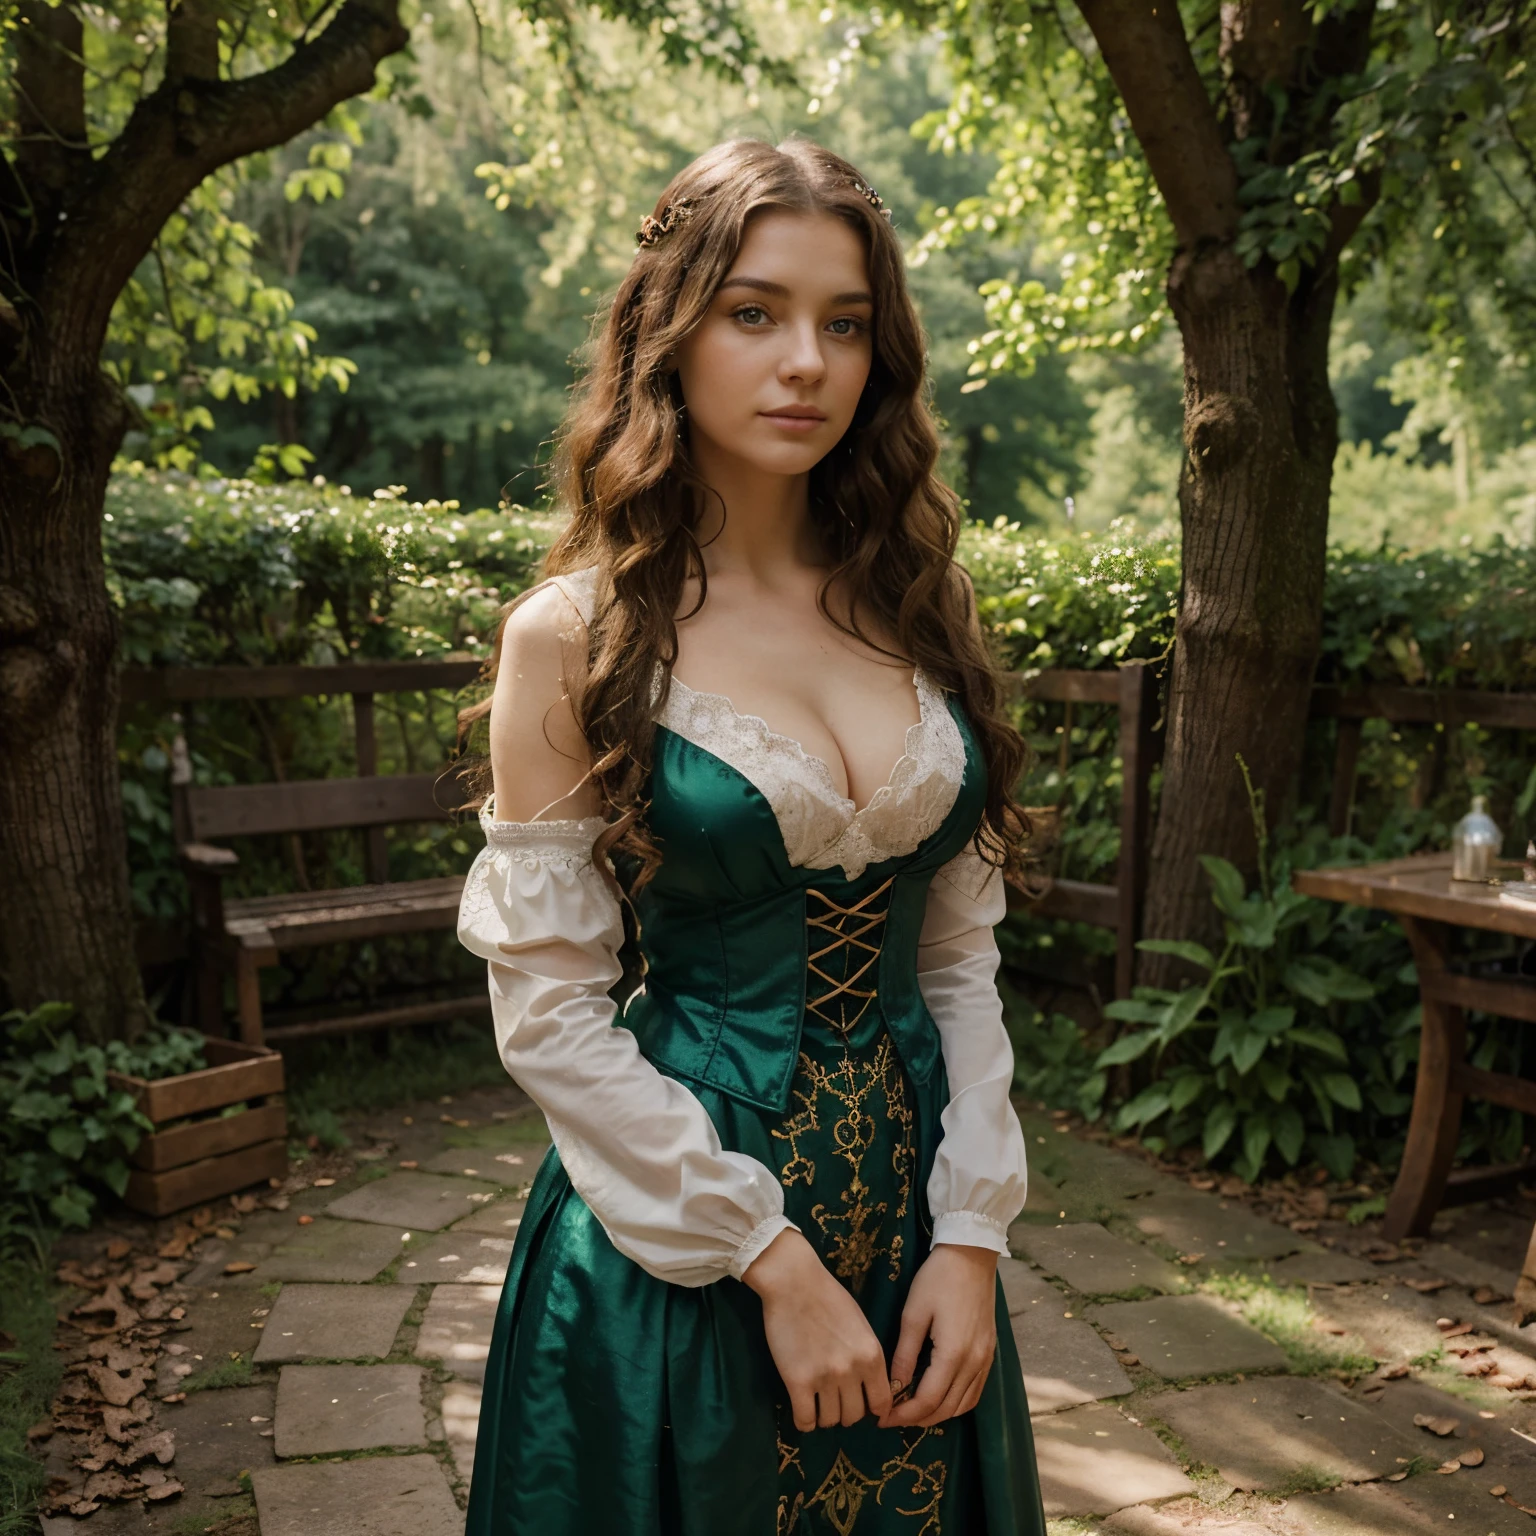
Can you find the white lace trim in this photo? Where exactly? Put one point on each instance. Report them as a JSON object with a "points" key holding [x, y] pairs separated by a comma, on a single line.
{"points": [[822, 829], [568, 843]]}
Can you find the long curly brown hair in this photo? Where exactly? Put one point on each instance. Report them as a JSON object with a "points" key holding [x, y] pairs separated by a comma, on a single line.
{"points": [[624, 477]]}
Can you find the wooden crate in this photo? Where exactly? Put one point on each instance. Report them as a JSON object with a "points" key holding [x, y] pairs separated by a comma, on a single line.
{"points": [[199, 1154]]}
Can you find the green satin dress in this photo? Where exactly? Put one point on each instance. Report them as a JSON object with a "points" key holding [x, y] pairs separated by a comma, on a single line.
{"points": [[617, 1404]]}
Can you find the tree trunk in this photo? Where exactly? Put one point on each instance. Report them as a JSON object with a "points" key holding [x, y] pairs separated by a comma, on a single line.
{"points": [[68, 923], [1261, 429]]}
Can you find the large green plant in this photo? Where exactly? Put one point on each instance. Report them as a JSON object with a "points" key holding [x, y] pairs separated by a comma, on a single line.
{"points": [[66, 1133]]}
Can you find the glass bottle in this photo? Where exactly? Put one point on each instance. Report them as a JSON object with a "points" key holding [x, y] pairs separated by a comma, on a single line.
{"points": [[1475, 844]]}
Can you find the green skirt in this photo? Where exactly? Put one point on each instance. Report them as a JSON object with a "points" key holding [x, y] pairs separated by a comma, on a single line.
{"points": [[617, 1404]]}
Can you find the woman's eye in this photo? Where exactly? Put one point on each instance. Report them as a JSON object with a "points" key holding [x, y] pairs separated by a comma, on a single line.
{"points": [[847, 325], [751, 314]]}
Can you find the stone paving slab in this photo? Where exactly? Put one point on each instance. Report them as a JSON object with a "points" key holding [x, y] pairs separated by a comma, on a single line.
{"points": [[332, 1322], [1094, 1461], [1181, 1517], [1098, 1263], [1415, 1507], [500, 1219], [461, 1423], [325, 1408], [380, 1496], [218, 1433], [1325, 1267], [513, 1166], [1065, 1362], [457, 1258], [332, 1252], [1024, 1289], [1390, 1322], [1221, 1231], [1182, 1336], [1090, 1182], [456, 1327], [1270, 1433], [410, 1200]]}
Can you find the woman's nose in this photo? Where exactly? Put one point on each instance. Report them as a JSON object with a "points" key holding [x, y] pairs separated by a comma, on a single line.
{"points": [[803, 359]]}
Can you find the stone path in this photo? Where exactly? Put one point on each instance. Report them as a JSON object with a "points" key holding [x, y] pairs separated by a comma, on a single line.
{"points": [[1192, 1367]]}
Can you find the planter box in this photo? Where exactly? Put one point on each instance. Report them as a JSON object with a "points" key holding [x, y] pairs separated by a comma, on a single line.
{"points": [[196, 1153]]}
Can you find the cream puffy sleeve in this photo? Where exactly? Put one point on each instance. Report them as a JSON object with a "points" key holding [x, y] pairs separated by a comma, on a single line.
{"points": [[978, 1181], [639, 1148]]}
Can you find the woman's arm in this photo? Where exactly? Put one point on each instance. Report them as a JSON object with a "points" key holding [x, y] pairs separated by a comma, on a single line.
{"points": [[639, 1147], [977, 1184]]}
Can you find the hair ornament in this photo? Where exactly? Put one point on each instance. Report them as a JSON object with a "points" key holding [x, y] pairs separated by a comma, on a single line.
{"points": [[653, 231], [873, 198]]}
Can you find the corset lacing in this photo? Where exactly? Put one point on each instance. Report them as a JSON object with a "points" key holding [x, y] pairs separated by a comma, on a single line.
{"points": [[855, 937]]}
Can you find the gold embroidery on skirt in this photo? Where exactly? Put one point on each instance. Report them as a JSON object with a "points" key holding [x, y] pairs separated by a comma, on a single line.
{"points": [[852, 1227], [845, 1488]]}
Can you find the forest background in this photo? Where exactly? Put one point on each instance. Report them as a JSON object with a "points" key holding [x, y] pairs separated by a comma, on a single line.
{"points": [[341, 349]]}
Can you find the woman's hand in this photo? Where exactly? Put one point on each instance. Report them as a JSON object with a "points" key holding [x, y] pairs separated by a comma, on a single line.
{"points": [[820, 1340], [952, 1300]]}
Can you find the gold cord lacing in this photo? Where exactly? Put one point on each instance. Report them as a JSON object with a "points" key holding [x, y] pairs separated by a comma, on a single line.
{"points": [[850, 929]]}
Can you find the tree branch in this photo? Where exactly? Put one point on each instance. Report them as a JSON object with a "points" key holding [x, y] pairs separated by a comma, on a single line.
{"points": [[50, 101], [180, 134], [1147, 53], [191, 42]]}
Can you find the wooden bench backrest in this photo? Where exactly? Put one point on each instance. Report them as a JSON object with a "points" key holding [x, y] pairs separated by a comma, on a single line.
{"points": [[312, 805], [367, 801]]}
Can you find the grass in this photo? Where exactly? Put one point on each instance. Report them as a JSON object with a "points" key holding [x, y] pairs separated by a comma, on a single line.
{"points": [[27, 1388], [235, 1517], [1285, 1316], [238, 1372], [330, 1078]]}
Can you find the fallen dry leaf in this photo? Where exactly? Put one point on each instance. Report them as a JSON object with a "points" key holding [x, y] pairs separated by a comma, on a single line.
{"points": [[1498, 1490], [324, 1183], [1396, 1477], [1449, 1466], [1472, 1458], [119, 1248], [245, 1204], [1394, 1372], [167, 1490], [224, 1233], [409, 1162], [1487, 1296], [1437, 1425], [306, 1221], [1455, 1330], [239, 1267], [1190, 1258], [1426, 1287]]}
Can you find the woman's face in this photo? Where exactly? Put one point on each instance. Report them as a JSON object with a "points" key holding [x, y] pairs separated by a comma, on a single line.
{"points": [[773, 373]]}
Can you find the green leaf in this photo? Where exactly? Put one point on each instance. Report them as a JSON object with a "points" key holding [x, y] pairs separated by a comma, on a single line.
{"points": [[1342, 1089], [1185, 1012], [1290, 1133], [1270, 1022], [1227, 889], [1185, 949], [1130, 1010], [1322, 980], [1336, 1153], [1247, 1046], [1257, 1136], [1219, 1125], [1146, 1106], [1187, 1087], [1126, 1048], [68, 1140], [1324, 1041]]}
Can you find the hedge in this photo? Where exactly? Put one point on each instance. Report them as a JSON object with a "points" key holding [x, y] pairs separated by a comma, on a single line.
{"points": [[232, 572]]}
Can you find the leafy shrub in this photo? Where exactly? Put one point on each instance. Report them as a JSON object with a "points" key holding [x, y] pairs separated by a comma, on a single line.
{"points": [[65, 1132]]}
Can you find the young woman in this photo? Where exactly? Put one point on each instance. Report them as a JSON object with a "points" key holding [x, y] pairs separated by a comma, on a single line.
{"points": [[755, 1290]]}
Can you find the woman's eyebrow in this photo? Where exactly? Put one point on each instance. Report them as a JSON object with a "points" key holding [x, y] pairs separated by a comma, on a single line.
{"points": [[778, 290]]}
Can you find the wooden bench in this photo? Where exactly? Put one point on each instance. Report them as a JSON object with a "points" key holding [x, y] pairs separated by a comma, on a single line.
{"points": [[242, 936]]}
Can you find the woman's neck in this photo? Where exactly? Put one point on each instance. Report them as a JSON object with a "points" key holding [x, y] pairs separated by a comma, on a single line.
{"points": [[755, 523]]}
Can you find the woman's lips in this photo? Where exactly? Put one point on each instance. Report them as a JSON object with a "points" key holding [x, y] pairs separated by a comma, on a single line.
{"points": [[794, 421]]}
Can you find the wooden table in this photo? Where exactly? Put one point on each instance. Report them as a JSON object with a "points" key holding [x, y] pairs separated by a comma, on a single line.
{"points": [[1420, 893]]}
